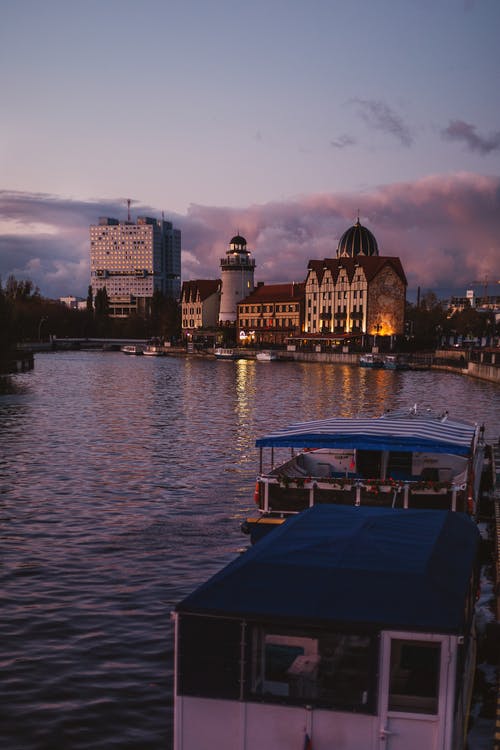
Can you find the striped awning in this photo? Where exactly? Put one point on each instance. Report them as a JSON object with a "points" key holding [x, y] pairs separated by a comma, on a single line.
{"points": [[408, 433]]}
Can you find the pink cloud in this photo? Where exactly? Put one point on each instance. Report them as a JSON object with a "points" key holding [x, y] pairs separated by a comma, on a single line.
{"points": [[445, 229]]}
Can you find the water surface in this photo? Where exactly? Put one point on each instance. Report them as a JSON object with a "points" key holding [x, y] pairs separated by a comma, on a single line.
{"points": [[123, 483]]}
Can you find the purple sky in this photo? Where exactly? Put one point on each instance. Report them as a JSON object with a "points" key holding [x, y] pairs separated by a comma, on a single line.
{"points": [[281, 119]]}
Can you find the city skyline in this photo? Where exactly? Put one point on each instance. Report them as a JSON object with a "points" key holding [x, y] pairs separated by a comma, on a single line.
{"points": [[282, 121]]}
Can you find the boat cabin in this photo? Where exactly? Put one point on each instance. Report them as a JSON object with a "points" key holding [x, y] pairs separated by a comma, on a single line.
{"points": [[399, 460], [353, 627]]}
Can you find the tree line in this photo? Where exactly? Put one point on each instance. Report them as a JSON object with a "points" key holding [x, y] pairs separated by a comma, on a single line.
{"points": [[27, 316]]}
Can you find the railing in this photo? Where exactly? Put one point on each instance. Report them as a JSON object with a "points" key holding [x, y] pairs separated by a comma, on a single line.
{"points": [[285, 494]]}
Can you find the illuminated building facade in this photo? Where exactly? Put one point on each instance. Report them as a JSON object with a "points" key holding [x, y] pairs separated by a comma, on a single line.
{"points": [[358, 292]]}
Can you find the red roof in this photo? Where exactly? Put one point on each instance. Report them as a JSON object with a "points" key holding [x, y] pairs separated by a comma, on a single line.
{"points": [[371, 266], [288, 292], [202, 287]]}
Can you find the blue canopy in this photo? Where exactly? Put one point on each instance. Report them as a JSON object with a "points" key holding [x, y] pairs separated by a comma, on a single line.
{"points": [[378, 567], [407, 433]]}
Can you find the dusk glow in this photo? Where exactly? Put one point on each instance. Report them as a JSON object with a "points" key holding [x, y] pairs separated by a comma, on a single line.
{"points": [[280, 120]]}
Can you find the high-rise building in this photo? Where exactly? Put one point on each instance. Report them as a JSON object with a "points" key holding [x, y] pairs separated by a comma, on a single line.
{"points": [[132, 261]]}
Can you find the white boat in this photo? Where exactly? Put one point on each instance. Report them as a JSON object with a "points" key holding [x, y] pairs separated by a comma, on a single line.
{"points": [[346, 628], [371, 360], [267, 355], [132, 349], [402, 459], [154, 350], [225, 353]]}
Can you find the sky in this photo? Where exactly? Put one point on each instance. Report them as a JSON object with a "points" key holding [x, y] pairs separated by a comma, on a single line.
{"points": [[283, 120]]}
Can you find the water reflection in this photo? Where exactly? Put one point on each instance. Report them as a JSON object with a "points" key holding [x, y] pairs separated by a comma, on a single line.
{"points": [[122, 484]]}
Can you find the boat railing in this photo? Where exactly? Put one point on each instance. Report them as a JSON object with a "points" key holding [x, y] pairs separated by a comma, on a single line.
{"points": [[290, 493]]}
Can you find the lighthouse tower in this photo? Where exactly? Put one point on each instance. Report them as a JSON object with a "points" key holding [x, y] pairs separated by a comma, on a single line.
{"points": [[237, 270]]}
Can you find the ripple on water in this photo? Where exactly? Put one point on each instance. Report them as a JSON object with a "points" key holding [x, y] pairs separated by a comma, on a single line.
{"points": [[122, 486]]}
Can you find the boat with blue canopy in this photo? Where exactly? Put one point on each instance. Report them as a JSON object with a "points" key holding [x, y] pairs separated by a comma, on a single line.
{"points": [[409, 459]]}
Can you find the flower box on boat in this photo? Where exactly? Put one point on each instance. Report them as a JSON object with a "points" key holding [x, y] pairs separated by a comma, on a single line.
{"points": [[402, 460]]}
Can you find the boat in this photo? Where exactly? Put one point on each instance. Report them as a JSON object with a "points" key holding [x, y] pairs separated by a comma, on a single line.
{"points": [[154, 350], [225, 353], [132, 349], [407, 459], [371, 360], [395, 362], [345, 628], [267, 355]]}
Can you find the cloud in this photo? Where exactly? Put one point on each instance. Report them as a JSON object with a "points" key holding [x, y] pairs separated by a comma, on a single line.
{"points": [[378, 115], [458, 130], [445, 229], [343, 141]]}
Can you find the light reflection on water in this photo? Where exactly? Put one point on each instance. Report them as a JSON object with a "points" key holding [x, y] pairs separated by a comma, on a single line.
{"points": [[123, 482]]}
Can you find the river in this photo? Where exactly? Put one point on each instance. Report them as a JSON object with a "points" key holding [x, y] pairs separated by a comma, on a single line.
{"points": [[123, 483]]}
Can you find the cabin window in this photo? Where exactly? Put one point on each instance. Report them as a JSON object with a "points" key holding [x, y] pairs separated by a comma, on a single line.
{"points": [[414, 676], [334, 670], [209, 657]]}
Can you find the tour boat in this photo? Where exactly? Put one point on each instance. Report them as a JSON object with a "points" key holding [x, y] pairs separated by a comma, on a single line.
{"points": [[154, 350], [225, 353], [266, 355], [401, 459], [132, 349], [346, 628], [371, 360]]}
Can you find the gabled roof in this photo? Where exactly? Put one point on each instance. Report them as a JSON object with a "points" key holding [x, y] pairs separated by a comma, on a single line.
{"points": [[289, 292], [379, 567], [204, 287], [371, 266], [405, 433]]}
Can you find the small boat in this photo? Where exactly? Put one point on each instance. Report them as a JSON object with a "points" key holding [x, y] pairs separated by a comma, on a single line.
{"points": [[225, 353], [346, 628], [132, 349], [154, 350], [266, 355], [371, 360], [401, 459], [395, 362]]}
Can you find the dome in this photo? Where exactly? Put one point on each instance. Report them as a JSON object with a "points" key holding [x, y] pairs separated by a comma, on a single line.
{"points": [[237, 244], [238, 240], [357, 240]]}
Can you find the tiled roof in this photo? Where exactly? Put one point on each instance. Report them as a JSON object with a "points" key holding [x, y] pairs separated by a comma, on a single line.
{"points": [[288, 292], [371, 266], [204, 287]]}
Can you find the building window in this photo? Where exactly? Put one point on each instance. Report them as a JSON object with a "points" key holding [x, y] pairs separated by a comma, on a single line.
{"points": [[414, 680]]}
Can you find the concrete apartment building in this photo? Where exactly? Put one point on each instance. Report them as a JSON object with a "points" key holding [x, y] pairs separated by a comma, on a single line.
{"points": [[133, 260]]}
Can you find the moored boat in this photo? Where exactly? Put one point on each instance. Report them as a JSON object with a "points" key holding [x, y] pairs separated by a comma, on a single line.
{"points": [[222, 352], [267, 355], [132, 349], [154, 350], [401, 459], [371, 360], [395, 362], [347, 627]]}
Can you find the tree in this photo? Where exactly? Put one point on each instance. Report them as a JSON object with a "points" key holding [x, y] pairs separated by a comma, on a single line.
{"points": [[101, 303], [90, 301]]}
